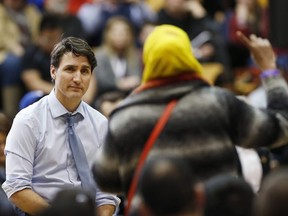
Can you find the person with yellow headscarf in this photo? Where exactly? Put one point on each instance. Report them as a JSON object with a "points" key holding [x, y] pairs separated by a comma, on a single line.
{"points": [[162, 61], [205, 123]]}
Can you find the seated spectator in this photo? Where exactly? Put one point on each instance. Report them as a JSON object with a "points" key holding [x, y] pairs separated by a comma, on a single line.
{"points": [[228, 195], [5, 125], [168, 187], [119, 60], [36, 60], [18, 29]]}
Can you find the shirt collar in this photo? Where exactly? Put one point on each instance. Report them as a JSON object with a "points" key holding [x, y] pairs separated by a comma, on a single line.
{"points": [[57, 109]]}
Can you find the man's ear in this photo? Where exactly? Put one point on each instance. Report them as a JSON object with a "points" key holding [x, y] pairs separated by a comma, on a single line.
{"points": [[52, 72]]}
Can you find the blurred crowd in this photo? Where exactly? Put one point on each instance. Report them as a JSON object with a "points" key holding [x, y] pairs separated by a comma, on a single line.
{"points": [[117, 29]]}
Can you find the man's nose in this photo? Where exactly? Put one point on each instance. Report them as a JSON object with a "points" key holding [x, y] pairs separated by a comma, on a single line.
{"points": [[77, 76]]}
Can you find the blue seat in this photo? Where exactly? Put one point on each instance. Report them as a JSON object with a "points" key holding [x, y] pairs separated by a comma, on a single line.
{"points": [[30, 97]]}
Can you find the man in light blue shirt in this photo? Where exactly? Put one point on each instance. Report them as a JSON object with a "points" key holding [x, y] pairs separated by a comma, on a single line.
{"points": [[39, 161]]}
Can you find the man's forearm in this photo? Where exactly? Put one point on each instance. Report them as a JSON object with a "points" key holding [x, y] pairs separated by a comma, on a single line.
{"points": [[29, 201]]}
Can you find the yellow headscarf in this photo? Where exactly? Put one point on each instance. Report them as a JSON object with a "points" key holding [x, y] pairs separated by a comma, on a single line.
{"points": [[168, 52]]}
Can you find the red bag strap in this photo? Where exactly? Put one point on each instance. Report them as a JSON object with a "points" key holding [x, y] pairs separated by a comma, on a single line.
{"points": [[148, 145]]}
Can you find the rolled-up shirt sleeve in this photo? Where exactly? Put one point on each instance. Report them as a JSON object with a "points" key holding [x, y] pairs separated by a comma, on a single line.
{"points": [[19, 151], [106, 199], [18, 174]]}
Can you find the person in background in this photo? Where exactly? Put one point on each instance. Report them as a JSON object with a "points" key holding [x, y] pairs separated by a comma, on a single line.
{"points": [[228, 195], [119, 59], [40, 156], [19, 23], [211, 120], [5, 125], [167, 187], [36, 60]]}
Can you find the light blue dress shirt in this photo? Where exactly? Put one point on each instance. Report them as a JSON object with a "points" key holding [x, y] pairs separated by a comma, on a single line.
{"points": [[37, 151]]}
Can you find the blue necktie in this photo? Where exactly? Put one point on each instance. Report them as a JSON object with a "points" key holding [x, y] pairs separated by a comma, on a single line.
{"points": [[80, 157]]}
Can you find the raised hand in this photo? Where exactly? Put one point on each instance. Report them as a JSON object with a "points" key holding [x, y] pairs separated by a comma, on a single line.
{"points": [[261, 51]]}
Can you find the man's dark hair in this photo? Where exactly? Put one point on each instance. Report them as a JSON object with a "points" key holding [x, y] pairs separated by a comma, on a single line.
{"points": [[77, 46], [228, 195], [166, 186]]}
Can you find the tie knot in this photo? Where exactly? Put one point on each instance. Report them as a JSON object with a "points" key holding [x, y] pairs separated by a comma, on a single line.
{"points": [[71, 119]]}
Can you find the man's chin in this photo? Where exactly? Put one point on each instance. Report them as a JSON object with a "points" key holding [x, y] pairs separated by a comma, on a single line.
{"points": [[76, 95]]}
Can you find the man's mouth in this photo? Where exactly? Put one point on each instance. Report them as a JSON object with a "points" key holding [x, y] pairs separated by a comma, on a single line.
{"points": [[76, 87]]}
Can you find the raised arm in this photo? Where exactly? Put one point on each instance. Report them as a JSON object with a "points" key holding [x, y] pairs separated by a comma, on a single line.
{"points": [[274, 84], [266, 127]]}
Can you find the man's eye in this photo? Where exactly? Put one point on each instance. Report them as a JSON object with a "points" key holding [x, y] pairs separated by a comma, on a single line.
{"points": [[85, 71], [69, 69]]}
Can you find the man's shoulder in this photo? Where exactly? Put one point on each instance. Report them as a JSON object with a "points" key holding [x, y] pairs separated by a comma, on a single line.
{"points": [[93, 113], [35, 109]]}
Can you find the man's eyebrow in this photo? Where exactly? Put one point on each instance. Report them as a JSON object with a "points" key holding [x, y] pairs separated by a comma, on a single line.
{"points": [[72, 65], [86, 66], [69, 65]]}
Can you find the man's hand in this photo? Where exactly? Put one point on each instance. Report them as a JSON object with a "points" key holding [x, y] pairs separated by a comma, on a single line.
{"points": [[261, 51]]}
